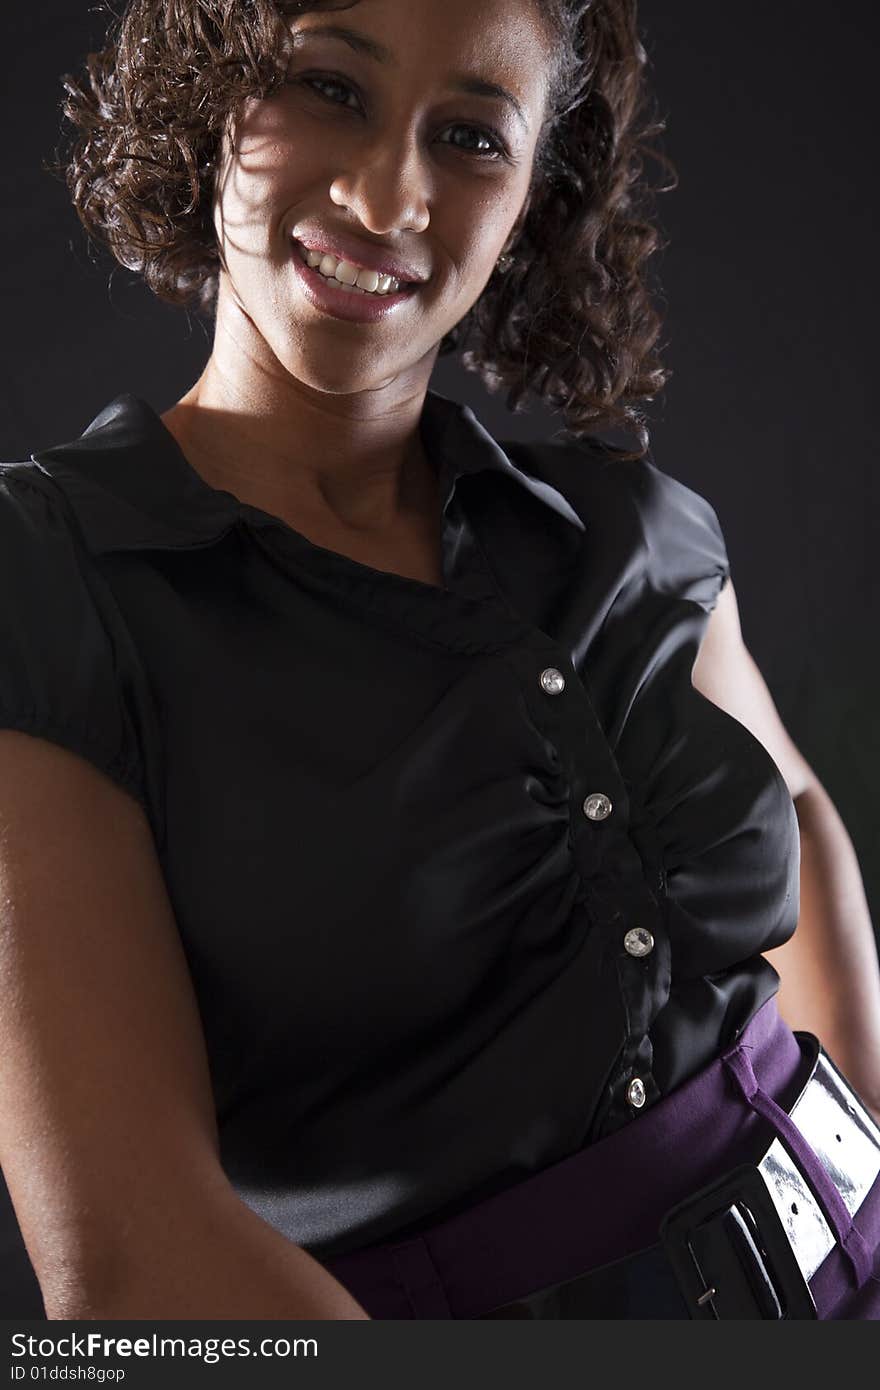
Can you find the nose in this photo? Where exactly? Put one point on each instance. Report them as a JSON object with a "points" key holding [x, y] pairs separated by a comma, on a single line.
{"points": [[387, 189]]}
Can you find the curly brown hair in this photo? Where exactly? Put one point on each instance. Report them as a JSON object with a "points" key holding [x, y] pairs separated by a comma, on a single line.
{"points": [[572, 320]]}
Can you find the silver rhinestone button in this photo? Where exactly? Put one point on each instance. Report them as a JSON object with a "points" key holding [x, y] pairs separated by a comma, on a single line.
{"points": [[552, 681], [597, 806], [635, 1093], [638, 942]]}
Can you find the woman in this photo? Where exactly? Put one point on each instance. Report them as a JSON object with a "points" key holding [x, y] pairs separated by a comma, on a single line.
{"points": [[394, 947]]}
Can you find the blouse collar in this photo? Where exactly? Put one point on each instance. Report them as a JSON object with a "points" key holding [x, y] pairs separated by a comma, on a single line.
{"points": [[132, 487]]}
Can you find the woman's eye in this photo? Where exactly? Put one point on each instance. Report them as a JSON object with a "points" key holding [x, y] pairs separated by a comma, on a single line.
{"points": [[491, 145], [318, 82]]}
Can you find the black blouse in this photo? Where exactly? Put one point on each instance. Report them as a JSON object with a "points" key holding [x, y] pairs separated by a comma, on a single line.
{"points": [[467, 877]]}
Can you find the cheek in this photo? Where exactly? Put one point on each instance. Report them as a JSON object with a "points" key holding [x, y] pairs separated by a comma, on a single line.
{"points": [[473, 241], [478, 213], [260, 184]]}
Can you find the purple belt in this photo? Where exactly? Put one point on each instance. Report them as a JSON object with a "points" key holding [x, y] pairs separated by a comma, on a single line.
{"points": [[607, 1201]]}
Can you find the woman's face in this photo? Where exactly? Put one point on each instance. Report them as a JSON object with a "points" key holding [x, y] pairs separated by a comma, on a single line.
{"points": [[389, 154]]}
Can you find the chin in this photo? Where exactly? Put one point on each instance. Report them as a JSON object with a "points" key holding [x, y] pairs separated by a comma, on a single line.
{"points": [[337, 372], [338, 379]]}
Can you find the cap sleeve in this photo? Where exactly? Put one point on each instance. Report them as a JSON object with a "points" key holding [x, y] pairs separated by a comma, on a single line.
{"points": [[61, 672], [686, 550]]}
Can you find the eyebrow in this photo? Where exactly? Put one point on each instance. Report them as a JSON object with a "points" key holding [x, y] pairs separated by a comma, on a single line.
{"points": [[371, 48]]}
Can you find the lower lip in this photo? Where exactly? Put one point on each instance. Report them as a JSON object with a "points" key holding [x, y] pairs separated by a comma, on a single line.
{"points": [[342, 304]]}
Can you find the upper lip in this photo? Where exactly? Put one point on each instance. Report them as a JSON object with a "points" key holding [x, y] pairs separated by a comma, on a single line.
{"points": [[361, 254]]}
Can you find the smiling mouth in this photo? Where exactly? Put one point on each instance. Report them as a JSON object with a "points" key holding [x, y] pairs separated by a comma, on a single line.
{"points": [[344, 275]]}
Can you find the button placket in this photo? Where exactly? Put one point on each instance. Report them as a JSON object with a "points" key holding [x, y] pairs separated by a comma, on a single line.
{"points": [[562, 708], [616, 891], [624, 901], [596, 786]]}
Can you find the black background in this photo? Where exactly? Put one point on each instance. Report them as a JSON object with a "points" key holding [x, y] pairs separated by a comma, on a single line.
{"points": [[770, 298]]}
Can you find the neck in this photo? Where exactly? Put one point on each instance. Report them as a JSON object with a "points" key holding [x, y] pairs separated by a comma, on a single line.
{"points": [[355, 458]]}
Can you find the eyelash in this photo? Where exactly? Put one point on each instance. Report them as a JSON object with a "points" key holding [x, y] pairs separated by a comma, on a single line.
{"points": [[498, 152]]}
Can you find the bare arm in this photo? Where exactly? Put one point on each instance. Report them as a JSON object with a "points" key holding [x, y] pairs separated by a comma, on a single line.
{"points": [[829, 974], [108, 1137]]}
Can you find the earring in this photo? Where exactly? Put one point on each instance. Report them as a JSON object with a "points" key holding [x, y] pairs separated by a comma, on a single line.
{"points": [[504, 262]]}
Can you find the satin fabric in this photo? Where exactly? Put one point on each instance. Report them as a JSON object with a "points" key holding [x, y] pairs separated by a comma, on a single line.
{"points": [[406, 937]]}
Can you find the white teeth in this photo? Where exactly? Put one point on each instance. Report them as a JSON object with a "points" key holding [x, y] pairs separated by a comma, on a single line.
{"points": [[345, 271], [347, 276]]}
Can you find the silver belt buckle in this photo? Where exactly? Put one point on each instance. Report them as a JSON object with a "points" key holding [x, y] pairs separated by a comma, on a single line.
{"points": [[748, 1244], [844, 1138]]}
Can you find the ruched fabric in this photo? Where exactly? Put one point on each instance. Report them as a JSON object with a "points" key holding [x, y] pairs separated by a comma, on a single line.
{"points": [[406, 860]]}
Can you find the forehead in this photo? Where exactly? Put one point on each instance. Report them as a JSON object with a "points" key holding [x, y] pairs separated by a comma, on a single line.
{"points": [[502, 41]]}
